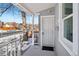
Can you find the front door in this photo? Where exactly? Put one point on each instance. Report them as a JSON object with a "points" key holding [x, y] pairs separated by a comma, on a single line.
{"points": [[47, 31]]}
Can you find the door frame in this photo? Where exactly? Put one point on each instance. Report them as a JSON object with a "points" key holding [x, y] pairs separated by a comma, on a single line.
{"points": [[41, 27]]}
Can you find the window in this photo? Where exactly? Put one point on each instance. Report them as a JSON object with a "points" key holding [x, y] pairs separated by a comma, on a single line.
{"points": [[68, 29], [68, 21], [67, 9]]}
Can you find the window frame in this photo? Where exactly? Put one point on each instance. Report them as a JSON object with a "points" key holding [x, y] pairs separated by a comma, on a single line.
{"points": [[71, 47]]}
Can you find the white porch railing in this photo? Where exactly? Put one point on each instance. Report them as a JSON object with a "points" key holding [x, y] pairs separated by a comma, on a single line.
{"points": [[10, 43]]}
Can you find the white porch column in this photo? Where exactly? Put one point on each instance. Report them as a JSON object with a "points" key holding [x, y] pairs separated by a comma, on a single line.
{"points": [[24, 21], [33, 29], [76, 28]]}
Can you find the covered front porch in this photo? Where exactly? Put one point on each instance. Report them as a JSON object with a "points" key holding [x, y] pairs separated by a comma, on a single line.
{"points": [[39, 29], [22, 39]]}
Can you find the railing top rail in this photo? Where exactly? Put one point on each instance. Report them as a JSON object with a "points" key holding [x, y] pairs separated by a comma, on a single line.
{"points": [[4, 34]]}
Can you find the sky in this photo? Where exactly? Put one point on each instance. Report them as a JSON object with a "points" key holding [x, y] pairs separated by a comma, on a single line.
{"points": [[13, 14], [29, 19]]}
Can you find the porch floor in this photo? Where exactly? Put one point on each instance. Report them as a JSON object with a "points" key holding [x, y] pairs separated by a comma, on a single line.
{"points": [[37, 51]]}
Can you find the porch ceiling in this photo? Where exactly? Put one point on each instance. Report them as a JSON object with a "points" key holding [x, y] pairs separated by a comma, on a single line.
{"points": [[37, 7]]}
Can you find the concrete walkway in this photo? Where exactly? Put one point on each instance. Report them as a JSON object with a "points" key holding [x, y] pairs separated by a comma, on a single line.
{"points": [[36, 51]]}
